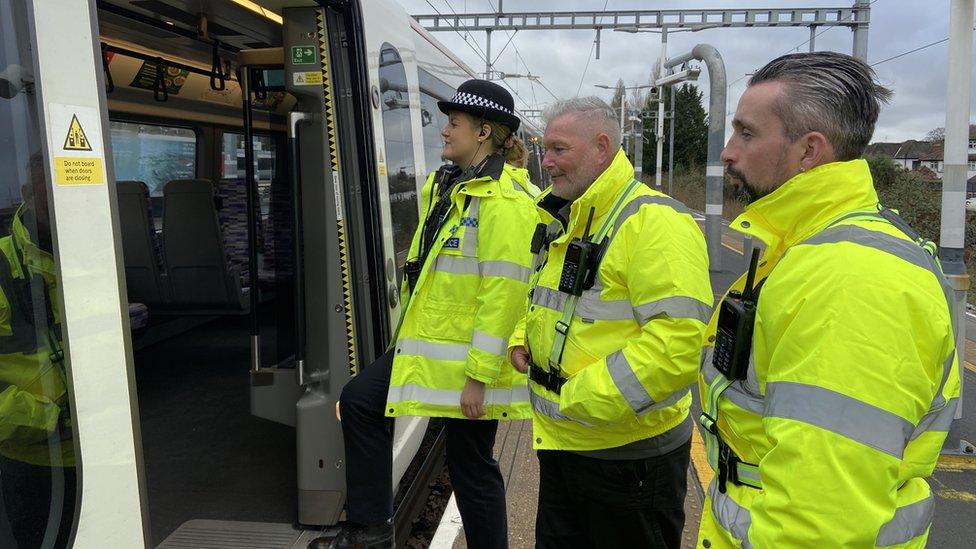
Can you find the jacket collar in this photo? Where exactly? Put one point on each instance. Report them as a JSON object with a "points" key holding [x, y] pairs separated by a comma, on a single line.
{"points": [[480, 181], [33, 257], [807, 202]]}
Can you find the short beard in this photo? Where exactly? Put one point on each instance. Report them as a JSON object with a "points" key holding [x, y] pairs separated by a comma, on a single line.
{"points": [[745, 191]]}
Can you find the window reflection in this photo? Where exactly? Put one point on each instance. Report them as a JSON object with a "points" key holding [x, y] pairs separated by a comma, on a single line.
{"points": [[398, 143], [38, 478]]}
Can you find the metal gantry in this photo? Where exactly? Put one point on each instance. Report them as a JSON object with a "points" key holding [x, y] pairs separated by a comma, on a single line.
{"points": [[857, 18]]}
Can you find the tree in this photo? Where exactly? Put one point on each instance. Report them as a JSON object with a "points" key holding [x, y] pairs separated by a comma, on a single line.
{"points": [[936, 135], [690, 130]]}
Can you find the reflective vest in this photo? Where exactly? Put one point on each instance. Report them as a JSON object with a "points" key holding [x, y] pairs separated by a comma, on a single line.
{"points": [[633, 343], [852, 383], [468, 296], [35, 424]]}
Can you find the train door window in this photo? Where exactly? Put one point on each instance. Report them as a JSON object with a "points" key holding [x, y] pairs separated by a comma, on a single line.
{"points": [[232, 164], [232, 157], [398, 143], [432, 120], [153, 154], [38, 477]]}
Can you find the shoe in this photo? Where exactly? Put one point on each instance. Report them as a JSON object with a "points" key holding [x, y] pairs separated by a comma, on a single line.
{"points": [[358, 536]]}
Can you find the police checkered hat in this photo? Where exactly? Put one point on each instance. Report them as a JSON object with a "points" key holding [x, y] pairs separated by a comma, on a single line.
{"points": [[483, 99]]}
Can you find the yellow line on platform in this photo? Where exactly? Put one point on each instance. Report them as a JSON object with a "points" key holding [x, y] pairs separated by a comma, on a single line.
{"points": [[956, 463], [700, 458]]}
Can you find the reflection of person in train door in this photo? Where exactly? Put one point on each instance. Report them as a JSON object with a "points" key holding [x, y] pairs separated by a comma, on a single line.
{"points": [[37, 459], [464, 289]]}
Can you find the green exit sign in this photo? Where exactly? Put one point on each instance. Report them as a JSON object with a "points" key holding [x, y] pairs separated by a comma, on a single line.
{"points": [[303, 55]]}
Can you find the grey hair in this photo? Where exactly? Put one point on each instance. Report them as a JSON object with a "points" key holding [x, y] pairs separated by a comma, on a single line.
{"points": [[827, 92], [593, 109]]}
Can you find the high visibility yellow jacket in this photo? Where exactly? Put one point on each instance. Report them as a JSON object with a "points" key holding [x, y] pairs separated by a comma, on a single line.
{"points": [[853, 380], [34, 417], [469, 295], [634, 341]]}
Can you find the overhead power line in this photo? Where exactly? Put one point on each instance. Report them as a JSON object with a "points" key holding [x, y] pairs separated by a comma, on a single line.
{"points": [[903, 54]]}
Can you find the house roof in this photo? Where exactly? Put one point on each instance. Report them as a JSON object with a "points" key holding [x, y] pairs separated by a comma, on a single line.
{"points": [[888, 149]]}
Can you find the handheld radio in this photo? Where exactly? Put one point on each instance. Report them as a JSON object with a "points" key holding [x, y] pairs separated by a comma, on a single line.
{"points": [[736, 319], [577, 265]]}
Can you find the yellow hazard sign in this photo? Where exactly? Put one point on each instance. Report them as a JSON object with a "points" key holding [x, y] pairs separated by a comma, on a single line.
{"points": [[76, 139]]}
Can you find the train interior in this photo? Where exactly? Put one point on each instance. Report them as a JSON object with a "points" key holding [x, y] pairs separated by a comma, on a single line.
{"points": [[177, 136]]}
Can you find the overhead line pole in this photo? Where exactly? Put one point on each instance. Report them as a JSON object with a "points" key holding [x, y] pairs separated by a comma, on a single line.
{"points": [[953, 231]]}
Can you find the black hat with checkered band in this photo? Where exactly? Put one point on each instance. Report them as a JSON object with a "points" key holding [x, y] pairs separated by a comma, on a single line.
{"points": [[483, 99]]}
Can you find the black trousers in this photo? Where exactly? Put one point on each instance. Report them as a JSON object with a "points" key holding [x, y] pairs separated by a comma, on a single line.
{"points": [[29, 494], [368, 437], [587, 502]]}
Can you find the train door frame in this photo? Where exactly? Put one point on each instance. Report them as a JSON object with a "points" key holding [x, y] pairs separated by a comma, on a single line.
{"points": [[87, 243]]}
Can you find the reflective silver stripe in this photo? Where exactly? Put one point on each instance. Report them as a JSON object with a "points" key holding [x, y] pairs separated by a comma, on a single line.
{"points": [[909, 522], [625, 379], [731, 516], [591, 307], [634, 205], [672, 399], [456, 265], [675, 307], [548, 298], [505, 269], [489, 343], [549, 408], [736, 393], [630, 387], [937, 420], [470, 246], [450, 397], [470, 265], [839, 414], [435, 351], [903, 249], [939, 399]]}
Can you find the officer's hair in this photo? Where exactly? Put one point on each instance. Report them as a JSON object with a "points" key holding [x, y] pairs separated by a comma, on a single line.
{"points": [[827, 92], [593, 109]]}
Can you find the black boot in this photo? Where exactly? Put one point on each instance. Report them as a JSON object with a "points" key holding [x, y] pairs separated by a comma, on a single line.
{"points": [[358, 536]]}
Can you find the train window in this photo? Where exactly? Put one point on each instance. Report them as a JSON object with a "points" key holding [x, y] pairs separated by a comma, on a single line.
{"points": [[153, 154], [398, 143], [432, 120], [37, 442], [232, 157]]}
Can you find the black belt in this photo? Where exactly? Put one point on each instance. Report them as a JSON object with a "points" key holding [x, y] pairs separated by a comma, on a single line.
{"points": [[550, 380]]}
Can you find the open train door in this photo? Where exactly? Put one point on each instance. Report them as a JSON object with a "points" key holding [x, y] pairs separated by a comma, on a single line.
{"points": [[342, 318]]}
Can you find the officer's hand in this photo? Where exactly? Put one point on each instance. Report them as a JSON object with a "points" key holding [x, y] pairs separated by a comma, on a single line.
{"points": [[520, 359], [473, 399]]}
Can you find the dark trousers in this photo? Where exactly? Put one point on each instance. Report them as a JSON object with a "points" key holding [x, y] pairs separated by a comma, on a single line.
{"points": [[587, 502], [368, 437], [30, 492]]}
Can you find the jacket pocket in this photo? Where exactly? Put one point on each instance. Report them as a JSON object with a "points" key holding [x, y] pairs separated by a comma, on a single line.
{"points": [[446, 321]]}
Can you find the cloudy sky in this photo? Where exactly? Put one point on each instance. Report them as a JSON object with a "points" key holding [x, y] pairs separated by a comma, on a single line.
{"points": [[559, 57]]}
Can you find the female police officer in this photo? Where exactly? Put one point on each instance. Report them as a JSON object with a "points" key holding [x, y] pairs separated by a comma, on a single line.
{"points": [[463, 291]]}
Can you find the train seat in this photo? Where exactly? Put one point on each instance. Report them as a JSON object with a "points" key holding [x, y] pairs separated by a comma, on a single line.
{"points": [[145, 272], [138, 317], [200, 272]]}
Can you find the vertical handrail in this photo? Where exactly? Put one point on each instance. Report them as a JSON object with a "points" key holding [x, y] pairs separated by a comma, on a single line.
{"points": [[252, 216], [294, 119]]}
